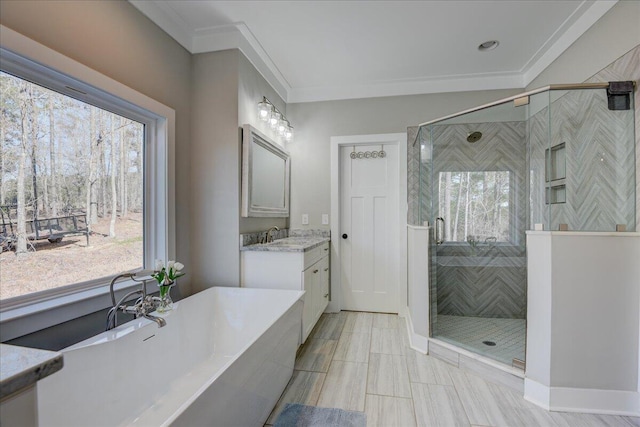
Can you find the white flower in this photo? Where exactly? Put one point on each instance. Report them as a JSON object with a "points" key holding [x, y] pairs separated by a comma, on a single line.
{"points": [[159, 265], [179, 266]]}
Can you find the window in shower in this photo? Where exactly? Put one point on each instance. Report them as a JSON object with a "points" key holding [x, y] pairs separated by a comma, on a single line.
{"points": [[476, 206]]}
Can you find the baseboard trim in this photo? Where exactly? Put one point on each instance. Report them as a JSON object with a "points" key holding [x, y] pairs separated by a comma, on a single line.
{"points": [[416, 341], [590, 401]]}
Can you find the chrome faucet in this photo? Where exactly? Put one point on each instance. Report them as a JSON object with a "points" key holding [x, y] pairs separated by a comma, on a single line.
{"points": [[143, 306], [269, 237]]}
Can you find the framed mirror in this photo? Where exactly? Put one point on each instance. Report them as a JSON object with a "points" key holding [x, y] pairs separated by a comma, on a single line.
{"points": [[265, 176]]}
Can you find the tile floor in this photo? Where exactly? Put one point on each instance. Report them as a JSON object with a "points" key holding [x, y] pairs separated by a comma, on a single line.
{"points": [[470, 332], [362, 362]]}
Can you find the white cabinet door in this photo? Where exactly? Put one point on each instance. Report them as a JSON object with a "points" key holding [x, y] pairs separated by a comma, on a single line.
{"points": [[311, 279], [324, 285]]}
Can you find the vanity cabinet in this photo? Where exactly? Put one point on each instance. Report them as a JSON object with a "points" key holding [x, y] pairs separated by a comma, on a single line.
{"points": [[294, 267]]}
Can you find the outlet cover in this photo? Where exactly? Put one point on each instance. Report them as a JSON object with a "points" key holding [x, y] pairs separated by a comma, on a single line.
{"points": [[325, 219], [305, 219]]}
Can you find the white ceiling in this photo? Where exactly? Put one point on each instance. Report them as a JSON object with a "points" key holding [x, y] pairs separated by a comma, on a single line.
{"points": [[322, 50]]}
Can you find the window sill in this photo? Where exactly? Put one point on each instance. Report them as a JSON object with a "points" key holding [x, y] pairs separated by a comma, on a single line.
{"points": [[24, 320]]}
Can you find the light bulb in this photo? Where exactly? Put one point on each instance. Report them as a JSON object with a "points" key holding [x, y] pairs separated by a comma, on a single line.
{"points": [[274, 120], [264, 108], [288, 134], [282, 126]]}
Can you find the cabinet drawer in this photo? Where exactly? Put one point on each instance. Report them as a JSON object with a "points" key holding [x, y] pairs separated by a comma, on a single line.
{"points": [[312, 256]]}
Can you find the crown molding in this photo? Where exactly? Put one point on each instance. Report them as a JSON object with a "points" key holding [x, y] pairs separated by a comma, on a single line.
{"points": [[588, 13], [462, 83], [239, 36]]}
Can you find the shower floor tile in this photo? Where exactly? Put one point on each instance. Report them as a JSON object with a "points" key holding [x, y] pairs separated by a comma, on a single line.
{"points": [[470, 332]]}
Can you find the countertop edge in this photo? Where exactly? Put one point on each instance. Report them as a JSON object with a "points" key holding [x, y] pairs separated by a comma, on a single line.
{"points": [[318, 241], [26, 366]]}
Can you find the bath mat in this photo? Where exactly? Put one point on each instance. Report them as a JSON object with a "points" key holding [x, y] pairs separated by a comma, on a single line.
{"points": [[297, 415]]}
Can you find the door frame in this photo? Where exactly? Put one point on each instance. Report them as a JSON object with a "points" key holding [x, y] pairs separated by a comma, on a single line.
{"points": [[400, 140]]}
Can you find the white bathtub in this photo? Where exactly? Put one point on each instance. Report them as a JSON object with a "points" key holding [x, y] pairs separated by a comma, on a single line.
{"points": [[223, 359]]}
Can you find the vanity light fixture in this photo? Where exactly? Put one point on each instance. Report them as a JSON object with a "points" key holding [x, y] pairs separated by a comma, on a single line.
{"points": [[267, 112]]}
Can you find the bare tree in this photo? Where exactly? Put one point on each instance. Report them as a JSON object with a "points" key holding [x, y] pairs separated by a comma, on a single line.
{"points": [[52, 158], [123, 170], [91, 182], [467, 206], [25, 100], [112, 225], [2, 155], [458, 203], [447, 204], [33, 121]]}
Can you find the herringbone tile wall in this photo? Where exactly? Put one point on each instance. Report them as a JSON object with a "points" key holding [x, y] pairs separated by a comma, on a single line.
{"points": [[601, 182], [627, 67], [600, 163], [413, 176], [485, 281]]}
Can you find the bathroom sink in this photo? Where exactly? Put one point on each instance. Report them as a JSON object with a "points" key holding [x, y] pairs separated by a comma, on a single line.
{"points": [[287, 242]]}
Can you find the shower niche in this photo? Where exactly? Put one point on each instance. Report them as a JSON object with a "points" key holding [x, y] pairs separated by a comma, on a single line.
{"points": [[556, 156], [555, 174]]}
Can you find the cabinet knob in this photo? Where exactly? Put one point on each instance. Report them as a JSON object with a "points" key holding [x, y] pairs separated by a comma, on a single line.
{"points": [[315, 271], [344, 236], [326, 295], [326, 269], [326, 249]]}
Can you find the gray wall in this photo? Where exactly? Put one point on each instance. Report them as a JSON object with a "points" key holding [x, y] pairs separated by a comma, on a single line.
{"points": [[251, 88], [215, 170], [226, 89], [315, 123]]}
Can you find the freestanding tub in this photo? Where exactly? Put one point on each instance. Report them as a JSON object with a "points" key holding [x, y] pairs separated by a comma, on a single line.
{"points": [[223, 359]]}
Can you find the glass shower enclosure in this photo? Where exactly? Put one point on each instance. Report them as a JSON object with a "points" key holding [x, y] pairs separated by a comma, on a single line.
{"points": [[557, 158]]}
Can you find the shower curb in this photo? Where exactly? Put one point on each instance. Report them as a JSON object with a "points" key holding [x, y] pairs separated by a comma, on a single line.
{"points": [[486, 368]]}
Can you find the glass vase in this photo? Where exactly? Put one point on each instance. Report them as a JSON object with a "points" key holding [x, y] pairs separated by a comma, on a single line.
{"points": [[166, 303]]}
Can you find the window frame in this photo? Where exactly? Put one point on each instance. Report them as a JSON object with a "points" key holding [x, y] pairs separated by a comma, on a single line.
{"points": [[36, 63]]}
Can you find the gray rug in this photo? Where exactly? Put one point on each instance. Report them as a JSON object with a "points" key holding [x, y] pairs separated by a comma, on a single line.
{"points": [[297, 415]]}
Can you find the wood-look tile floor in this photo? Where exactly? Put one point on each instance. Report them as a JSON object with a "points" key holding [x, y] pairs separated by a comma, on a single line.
{"points": [[363, 362]]}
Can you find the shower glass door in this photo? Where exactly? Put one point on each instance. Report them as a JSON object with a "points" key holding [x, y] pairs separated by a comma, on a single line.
{"points": [[478, 207]]}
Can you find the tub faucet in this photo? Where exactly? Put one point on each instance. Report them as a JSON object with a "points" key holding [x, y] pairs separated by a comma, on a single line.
{"points": [[159, 320], [269, 236], [143, 306]]}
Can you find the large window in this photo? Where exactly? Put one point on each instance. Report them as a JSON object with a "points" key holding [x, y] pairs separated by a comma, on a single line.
{"points": [[475, 206], [71, 190], [84, 180]]}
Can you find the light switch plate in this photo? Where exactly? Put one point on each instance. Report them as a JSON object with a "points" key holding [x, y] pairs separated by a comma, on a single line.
{"points": [[305, 219], [325, 219]]}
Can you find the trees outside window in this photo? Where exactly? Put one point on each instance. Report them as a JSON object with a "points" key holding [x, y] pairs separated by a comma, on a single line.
{"points": [[63, 158], [475, 205]]}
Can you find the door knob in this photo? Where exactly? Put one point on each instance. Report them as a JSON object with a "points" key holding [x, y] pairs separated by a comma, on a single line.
{"points": [[344, 236]]}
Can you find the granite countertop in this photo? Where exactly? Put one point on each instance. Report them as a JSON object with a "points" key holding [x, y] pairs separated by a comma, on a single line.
{"points": [[21, 367], [289, 244]]}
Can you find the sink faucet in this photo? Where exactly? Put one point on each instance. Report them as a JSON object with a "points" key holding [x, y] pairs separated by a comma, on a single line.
{"points": [[143, 306], [269, 236]]}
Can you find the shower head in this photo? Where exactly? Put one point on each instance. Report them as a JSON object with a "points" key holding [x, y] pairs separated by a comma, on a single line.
{"points": [[474, 136]]}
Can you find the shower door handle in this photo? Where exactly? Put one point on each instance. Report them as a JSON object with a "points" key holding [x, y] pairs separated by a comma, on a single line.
{"points": [[439, 230]]}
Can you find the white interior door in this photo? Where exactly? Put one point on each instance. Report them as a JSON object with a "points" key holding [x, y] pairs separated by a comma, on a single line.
{"points": [[369, 229]]}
